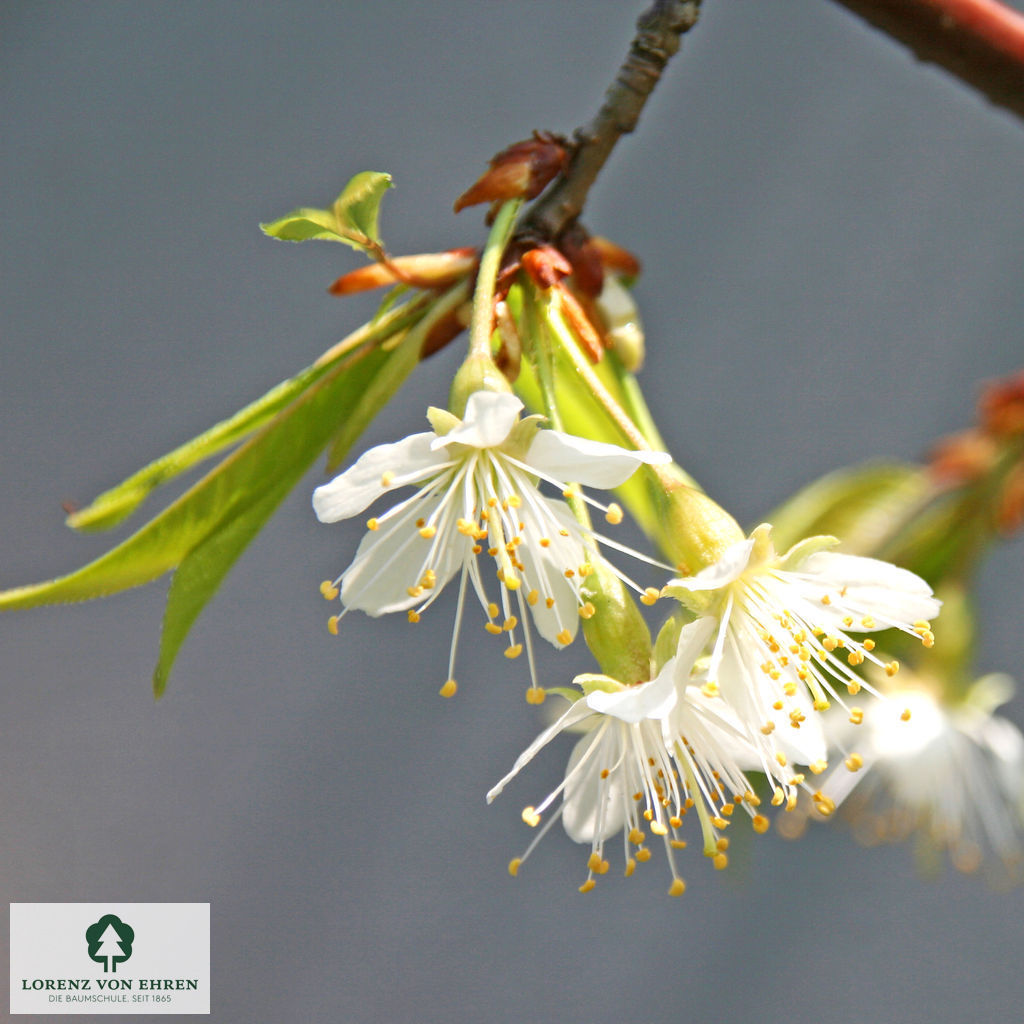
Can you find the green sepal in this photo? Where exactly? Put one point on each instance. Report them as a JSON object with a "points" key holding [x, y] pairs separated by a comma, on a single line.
{"points": [[592, 682], [563, 691], [352, 218], [805, 548]]}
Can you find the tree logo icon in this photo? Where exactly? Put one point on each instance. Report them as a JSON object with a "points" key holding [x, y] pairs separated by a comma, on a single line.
{"points": [[110, 942]]}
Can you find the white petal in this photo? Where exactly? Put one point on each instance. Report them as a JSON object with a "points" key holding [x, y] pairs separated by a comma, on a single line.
{"points": [[693, 638], [351, 492], [726, 570], [490, 417], [575, 713], [592, 463], [589, 799], [392, 559], [882, 590], [633, 704]]}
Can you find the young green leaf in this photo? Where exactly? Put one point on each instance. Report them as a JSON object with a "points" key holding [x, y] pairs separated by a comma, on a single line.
{"points": [[351, 220]]}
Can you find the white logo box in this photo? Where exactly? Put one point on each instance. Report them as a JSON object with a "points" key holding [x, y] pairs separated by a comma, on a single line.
{"points": [[159, 963]]}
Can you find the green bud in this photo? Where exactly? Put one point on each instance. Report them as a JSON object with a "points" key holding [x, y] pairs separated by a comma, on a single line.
{"points": [[616, 632], [477, 373]]}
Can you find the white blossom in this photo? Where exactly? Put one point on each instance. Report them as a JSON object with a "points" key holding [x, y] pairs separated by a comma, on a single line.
{"points": [[477, 491]]}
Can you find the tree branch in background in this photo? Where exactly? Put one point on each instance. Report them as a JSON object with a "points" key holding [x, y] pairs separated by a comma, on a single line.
{"points": [[657, 39], [979, 41]]}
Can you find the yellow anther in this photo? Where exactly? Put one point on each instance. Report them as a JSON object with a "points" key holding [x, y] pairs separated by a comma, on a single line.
{"points": [[905, 717], [466, 527], [630, 867], [824, 805], [854, 762], [727, 809], [928, 639], [510, 623], [760, 824], [719, 822], [658, 828], [588, 885], [789, 689], [373, 523], [643, 854], [856, 716], [569, 573], [676, 821], [429, 579], [531, 817], [818, 767], [892, 668], [922, 625], [648, 814], [614, 514], [636, 837], [868, 644], [677, 844], [710, 689], [821, 705], [329, 590], [545, 542], [565, 637], [449, 688], [649, 596], [781, 758], [514, 501], [796, 716], [594, 862], [514, 651], [720, 860], [798, 779], [825, 599], [722, 844], [536, 695], [511, 582], [332, 625], [585, 570], [387, 478], [416, 591], [532, 598], [778, 796], [513, 866], [677, 888], [549, 602], [768, 728], [493, 628], [829, 643], [855, 658], [587, 610], [413, 615], [492, 611], [426, 532], [791, 802], [853, 687]]}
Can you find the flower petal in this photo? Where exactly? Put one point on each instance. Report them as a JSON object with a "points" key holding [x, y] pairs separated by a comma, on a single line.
{"points": [[490, 417], [726, 570], [594, 806], [593, 463], [351, 492], [633, 704]]}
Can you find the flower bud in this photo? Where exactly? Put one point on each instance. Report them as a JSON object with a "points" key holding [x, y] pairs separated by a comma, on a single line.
{"points": [[622, 323], [520, 172]]}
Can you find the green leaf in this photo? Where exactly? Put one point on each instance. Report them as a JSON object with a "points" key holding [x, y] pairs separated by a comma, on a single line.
{"points": [[351, 220], [357, 208], [115, 505]]}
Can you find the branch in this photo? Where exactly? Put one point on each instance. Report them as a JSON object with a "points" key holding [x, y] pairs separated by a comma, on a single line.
{"points": [[979, 41], [657, 39]]}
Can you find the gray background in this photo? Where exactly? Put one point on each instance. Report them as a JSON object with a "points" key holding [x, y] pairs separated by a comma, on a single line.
{"points": [[832, 238]]}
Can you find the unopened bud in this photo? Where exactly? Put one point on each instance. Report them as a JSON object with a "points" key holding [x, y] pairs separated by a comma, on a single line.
{"points": [[622, 323], [694, 530], [477, 373], [425, 270], [1001, 406], [616, 259], [520, 172]]}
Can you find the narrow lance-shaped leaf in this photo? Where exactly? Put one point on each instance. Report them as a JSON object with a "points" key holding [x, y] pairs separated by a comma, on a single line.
{"points": [[290, 440], [277, 460], [116, 504]]}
